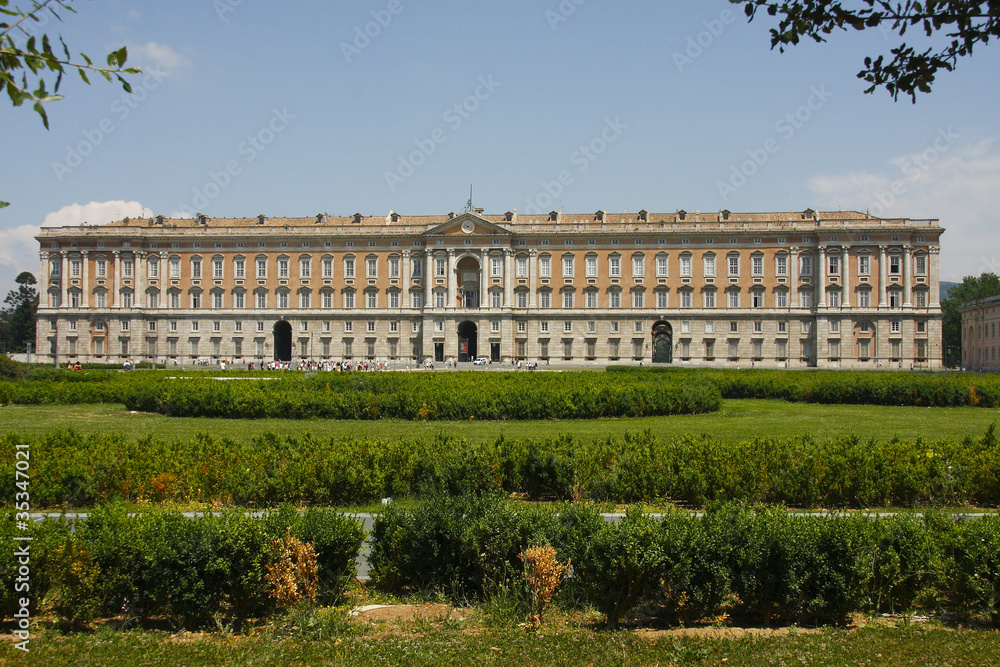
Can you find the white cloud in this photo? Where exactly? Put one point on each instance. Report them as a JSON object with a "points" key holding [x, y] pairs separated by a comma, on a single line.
{"points": [[953, 181], [159, 56], [18, 252], [95, 213]]}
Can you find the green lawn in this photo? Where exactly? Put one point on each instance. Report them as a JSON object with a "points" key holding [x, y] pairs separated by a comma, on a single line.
{"points": [[738, 419], [451, 644]]}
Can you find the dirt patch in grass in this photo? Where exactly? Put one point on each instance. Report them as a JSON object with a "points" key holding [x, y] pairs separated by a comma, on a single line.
{"points": [[712, 632], [403, 613]]}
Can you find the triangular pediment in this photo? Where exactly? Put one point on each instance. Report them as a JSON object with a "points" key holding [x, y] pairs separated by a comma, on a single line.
{"points": [[468, 224]]}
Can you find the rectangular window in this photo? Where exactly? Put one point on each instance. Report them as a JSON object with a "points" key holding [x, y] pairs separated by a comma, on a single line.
{"points": [[685, 266], [349, 267], [372, 267], [127, 268], [661, 266], [920, 299], [175, 267], [734, 350], [544, 299], [217, 268], [521, 267], [239, 268], [371, 326], [613, 349], [196, 268], [894, 264], [153, 268], [543, 327], [567, 264], [638, 266], [733, 299], [757, 265], [417, 266], [304, 300], [394, 267], [440, 267], [216, 299], [261, 299], [568, 326], [894, 300], [615, 266], [496, 267], [834, 326], [781, 299], [734, 265], [806, 299], [833, 298], [496, 299], [638, 299], [348, 300], [661, 299], [614, 299], [806, 265], [305, 268], [920, 263], [757, 299], [567, 299], [864, 298], [685, 299], [894, 326], [261, 268], [394, 299], [833, 265], [328, 267], [592, 299], [371, 299], [74, 268], [282, 299], [709, 350], [709, 297], [348, 327], [781, 265], [196, 300], [591, 263], [834, 349], [864, 265]]}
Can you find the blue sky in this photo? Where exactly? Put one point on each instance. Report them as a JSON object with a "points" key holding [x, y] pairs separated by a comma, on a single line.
{"points": [[249, 107]]}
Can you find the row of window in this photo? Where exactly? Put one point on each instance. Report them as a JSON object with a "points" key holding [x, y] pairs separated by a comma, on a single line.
{"points": [[568, 265], [567, 298]]}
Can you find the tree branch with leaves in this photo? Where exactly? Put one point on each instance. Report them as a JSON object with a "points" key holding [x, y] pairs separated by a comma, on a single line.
{"points": [[965, 23], [28, 63]]}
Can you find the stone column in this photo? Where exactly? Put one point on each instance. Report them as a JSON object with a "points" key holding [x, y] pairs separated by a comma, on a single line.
{"points": [[164, 282], [85, 282], [793, 285], [428, 278], [484, 277], [932, 278], [508, 278], [64, 280], [139, 279], [532, 277], [115, 300], [404, 298], [821, 278], [882, 277], [43, 280], [452, 275], [907, 259], [845, 272]]}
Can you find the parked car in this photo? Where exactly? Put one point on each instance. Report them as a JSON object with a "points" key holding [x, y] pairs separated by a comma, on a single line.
{"points": [[481, 361]]}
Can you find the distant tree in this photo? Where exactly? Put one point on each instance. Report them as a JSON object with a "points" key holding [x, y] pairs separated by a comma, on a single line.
{"points": [[27, 60], [18, 316], [971, 288], [966, 23]]}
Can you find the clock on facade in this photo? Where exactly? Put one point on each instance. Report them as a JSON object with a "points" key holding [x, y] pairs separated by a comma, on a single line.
{"points": [[468, 226]]}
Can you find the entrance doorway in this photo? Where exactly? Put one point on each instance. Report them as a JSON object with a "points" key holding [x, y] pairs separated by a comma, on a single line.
{"points": [[663, 343], [282, 341], [495, 352], [439, 352], [467, 335]]}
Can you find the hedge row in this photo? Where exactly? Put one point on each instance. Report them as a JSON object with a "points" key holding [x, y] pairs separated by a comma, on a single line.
{"points": [[70, 470], [765, 564], [425, 396], [830, 386], [161, 564]]}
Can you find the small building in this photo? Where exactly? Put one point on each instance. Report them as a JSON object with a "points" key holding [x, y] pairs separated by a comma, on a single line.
{"points": [[981, 334]]}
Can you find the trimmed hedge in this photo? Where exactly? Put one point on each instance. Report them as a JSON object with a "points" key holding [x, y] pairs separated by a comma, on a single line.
{"points": [[159, 563], [71, 470], [920, 388], [449, 396], [761, 564]]}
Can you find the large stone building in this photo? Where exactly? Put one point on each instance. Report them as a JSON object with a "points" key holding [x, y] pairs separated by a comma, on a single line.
{"points": [[981, 334], [836, 289]]}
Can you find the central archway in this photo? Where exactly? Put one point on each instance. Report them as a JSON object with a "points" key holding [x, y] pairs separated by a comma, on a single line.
{"points": [[663, 343], [467, 341], [282, 341]]}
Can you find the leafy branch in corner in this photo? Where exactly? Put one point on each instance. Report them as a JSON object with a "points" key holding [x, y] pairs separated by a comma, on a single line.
{"points": [[966, 23]]}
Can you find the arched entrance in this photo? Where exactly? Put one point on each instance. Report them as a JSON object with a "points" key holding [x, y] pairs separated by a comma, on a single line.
{"points": [[467, 340], [282, 341], [469, 273], [663, 343]]}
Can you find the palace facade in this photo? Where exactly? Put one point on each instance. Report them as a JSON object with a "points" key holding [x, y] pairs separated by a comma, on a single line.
{"points": [[802, 289], [981, 334]]}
